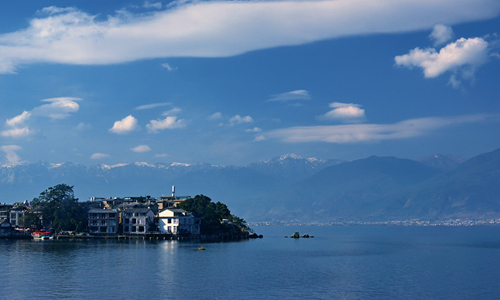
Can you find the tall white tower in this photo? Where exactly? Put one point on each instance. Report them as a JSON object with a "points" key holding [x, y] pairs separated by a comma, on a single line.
{"points": [[173, 191]]}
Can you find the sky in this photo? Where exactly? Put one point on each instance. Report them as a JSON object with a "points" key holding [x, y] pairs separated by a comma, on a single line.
{"points": [[234, 82]]}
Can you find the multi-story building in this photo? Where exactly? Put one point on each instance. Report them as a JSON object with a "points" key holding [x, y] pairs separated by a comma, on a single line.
{"points": [[5, 211], [178, 221], [137, 220], [103, 221], [16, 213]]}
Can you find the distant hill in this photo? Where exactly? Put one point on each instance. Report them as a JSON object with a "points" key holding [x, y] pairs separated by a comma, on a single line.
{"points": [[445, 162], [345, 191], [471, 190], [291, 167], [290, 187]]}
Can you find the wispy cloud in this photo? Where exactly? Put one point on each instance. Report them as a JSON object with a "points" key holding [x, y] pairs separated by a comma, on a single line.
{"points": [[148, 4], [125, 125], [169, 67], [16, 132], [153, 105], [59, 108], [219, 28], [255, 129], [215, 116], [141, 148], [289, 96], [461, 57], [11, 153], [355, 133], [99, 156], [237, 119], [172, 112], [18, 120], [155, 126], [83, 126], [344, 112], [441, 34]]}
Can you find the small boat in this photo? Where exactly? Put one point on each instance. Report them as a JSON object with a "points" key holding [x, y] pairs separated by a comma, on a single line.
{"points": [[42, 235]]}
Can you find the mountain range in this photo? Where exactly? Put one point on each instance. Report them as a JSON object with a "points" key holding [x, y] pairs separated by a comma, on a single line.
{"points": [[290, 187]]}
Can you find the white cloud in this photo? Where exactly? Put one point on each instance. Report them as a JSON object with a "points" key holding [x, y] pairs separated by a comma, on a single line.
{"points": [[156, 5], [10, 153], [16, 132], [141, 148], [237, 119], [354, 133], [169, 67], [18, 120], [441, 34], [125, 125], [344, 112], [59, 108], [255, 129], [99, 156], [171, 112], [464, 55], [215, 116], [219, 28], [293, 95], [168, 123], [153, 105]]}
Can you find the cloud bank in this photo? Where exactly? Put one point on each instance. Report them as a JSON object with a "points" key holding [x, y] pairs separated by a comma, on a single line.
{"points": [[219, 28], [355, 133]]}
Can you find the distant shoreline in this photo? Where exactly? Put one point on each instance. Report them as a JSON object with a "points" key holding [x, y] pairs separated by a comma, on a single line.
{"points": [[450, 223]]}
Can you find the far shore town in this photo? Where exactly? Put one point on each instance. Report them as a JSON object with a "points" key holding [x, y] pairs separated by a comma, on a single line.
{"points": [[126, 217]]}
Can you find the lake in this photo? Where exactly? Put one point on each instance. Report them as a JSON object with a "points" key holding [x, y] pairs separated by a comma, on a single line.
{"points": [[340, 262]]}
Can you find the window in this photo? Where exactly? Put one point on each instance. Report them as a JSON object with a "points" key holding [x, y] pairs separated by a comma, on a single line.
{"points": [[169, 221]]}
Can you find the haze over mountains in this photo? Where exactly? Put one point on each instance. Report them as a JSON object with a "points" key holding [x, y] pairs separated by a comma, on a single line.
{"points": [[291, 187]]}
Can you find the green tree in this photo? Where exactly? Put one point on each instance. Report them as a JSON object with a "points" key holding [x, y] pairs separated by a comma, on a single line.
{"points": [[30, 219], [212, 214], [60, 208]]}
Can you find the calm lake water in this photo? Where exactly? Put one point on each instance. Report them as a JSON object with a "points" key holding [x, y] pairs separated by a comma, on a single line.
{"points": [[363, 262]]}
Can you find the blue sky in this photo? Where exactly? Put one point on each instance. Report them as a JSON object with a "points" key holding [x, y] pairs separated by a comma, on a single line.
{"points": [[232, 82]]}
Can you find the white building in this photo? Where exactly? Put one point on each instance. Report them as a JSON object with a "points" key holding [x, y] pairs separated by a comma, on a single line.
{"points": [[137, 220], [178, 221]]}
